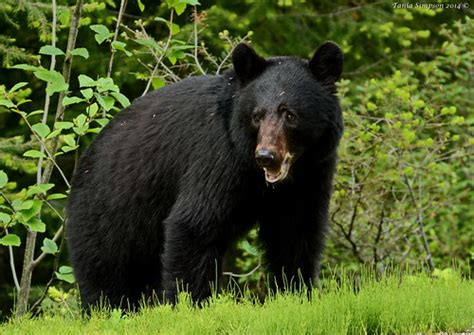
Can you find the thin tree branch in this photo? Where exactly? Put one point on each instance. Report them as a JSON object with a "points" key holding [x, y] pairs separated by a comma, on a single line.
{"points": [[379, 234], [10, 248], [123, 4], [245, 274], [224, 60], [12, 265], [44, 120], [419, 221], [165, 49], [353, 245], [196, 59]]}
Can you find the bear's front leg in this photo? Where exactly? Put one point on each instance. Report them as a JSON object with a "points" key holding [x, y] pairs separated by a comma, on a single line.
{"points": [[292, 231], [292, 258], [190, 264]]}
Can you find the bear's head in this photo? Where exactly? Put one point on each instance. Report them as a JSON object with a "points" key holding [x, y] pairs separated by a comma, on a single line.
{"points": [[286, 107]]}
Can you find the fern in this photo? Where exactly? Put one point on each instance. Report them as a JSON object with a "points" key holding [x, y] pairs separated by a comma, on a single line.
{"points": [[12, 54], [11, 154]]}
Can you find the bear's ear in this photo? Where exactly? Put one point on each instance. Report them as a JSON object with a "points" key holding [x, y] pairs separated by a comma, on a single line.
{"points": [[247, 64], [326, 64]]}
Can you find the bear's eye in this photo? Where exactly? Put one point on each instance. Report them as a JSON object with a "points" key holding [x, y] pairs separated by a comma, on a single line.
{"points": [[256, 117], [290, 117]]}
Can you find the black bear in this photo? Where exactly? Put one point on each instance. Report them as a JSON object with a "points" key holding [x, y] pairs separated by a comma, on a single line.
{"points": [[186, 170]]}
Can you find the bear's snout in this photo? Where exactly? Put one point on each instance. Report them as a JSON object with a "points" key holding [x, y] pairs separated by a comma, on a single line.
{"points": [[266, 158]]}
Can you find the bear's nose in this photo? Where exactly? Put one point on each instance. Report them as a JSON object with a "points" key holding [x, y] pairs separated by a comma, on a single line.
{"points": [[265, 158]]}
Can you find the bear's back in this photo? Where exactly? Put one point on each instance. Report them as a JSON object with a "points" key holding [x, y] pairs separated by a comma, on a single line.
{"points": [[135, 164]]}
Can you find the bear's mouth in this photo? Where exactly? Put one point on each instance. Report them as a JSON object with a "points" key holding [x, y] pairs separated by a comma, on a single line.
{"points": [[274, 176]]}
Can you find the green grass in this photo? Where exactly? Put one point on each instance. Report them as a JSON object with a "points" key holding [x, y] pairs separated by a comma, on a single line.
{"points": [[392, 304]]}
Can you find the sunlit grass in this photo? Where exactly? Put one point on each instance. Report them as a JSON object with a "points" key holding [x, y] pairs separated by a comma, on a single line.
{"points": [[344, 304]]}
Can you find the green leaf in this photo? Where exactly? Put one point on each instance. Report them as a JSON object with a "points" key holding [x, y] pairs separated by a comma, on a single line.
{"points": [[63, 125], [41, 129], [69, 139], [80, 131], [180, 8], [157, 83], [6, 103], [80, 120], [25, 215], [174, 28], [3, 179], [181, 47], [190, 2], [106, 84], [87, 93], [141, 6], [175, 54], [64, 17], [121, 47], [49, 75], [37, 112], [423, 33], [54, 133], [100, 29], [71, 100], [51, 51], [17, 86], [26, 67], [23, 101], [35, 224], [57, 87], [160, 19], [65, 269], [80, 52], [66, 277], [86, 81], [54, 79], [10, 240], [39, 189], [103, 122], [49, 246], [56, 196], [34, 154], [92, 109], [66, 273], [4, 218], [122, 99], [45, 187], [105, 101], [149, 43], [19, 205], [102, 33]]}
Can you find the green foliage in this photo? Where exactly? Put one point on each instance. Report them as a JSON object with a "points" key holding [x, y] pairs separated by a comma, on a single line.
{"points": [[404, 162]]}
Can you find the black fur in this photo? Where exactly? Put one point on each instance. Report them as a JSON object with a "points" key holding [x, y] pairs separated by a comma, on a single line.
{"points": [[172, 181]]}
